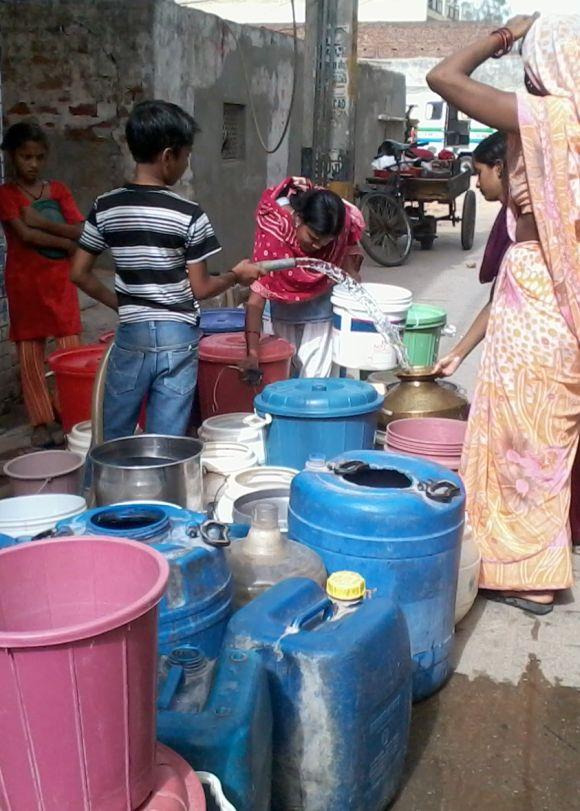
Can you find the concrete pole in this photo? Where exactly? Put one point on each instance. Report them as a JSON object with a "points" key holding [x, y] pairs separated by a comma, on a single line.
{"points": [[330, 73]]}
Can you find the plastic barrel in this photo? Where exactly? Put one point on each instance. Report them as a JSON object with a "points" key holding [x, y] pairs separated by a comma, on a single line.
{"points": [[78, 670], [423, 333]]}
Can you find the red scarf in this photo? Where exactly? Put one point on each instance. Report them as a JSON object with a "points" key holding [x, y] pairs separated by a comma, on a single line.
{"points": [[276, 239]]}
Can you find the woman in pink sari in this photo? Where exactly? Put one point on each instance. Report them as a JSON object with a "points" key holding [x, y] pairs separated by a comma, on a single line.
{"points": [[524, 426], [295, 220]]}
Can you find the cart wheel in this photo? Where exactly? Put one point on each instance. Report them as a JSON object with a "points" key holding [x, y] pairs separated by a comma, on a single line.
{"points": [[387, 238], [468, 220], [427, 243]]}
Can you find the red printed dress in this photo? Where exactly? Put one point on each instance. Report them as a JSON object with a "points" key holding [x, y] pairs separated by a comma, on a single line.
{"points": [[42, 302]]}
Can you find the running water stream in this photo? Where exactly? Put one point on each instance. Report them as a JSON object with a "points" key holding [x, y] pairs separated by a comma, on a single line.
{"points": [[390, 333]]}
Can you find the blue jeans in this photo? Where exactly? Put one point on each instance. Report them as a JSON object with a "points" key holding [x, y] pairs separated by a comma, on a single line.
{"points": [[154, 361]]}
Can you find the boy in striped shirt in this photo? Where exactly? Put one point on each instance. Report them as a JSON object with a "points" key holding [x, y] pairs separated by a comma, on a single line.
{"points": [[160, 242]]}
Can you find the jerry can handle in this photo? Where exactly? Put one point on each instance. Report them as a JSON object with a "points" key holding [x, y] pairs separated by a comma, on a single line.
{"points": [[215, 533], [349, 468], [441, 491], [324, 606], [170, 687]]}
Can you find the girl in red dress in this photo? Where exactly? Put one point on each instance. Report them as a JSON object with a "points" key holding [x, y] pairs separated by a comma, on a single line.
{"points": [[41, 223]]}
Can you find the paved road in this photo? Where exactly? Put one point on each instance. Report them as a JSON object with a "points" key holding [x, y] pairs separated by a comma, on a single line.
{"points": [[504, 734]]}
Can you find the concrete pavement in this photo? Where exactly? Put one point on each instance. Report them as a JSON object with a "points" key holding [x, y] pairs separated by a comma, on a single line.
{"points": [[504, 733]]}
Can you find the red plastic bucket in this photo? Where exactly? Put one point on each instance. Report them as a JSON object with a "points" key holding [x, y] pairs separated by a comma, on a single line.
{"points": [[78, 667], [220, 385], [74, 372]]}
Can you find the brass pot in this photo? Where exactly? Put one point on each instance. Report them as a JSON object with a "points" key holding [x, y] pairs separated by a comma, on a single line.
{"points": [[418, 394]]}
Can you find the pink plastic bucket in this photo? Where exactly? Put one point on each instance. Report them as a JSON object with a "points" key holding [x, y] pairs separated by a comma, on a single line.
{"points": [[45, 472], [78, 666]]}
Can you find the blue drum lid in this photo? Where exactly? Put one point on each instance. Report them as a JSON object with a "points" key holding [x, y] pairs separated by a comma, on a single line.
{"points": [[313, 398], [224, 319]]}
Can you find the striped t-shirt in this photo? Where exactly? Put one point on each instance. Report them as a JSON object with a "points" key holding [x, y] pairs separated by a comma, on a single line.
{"points": [[152, 233]]}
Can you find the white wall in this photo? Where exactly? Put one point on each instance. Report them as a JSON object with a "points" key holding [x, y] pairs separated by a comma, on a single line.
{"points": [[279, 11]]}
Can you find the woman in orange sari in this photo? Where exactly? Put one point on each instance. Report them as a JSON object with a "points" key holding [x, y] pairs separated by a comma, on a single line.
{"points": [[524, 425]]}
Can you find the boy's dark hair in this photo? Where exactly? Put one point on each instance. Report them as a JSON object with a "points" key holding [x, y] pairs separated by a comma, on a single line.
{"points": [[157, 125], [321, 210], [492, 150], [23, 131]]}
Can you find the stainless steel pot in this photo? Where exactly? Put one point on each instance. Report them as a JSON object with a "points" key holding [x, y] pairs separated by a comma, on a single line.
{"points": [[148, 467]]}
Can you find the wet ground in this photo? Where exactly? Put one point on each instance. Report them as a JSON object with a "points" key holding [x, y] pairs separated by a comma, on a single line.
{"points": [[504, 733]]}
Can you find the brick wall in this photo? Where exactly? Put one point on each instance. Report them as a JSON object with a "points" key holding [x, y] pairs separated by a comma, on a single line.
{"points": [[408, 40]]}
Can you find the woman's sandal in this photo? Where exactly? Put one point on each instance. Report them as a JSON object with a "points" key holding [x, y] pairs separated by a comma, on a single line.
{"points": [[540, 609]]}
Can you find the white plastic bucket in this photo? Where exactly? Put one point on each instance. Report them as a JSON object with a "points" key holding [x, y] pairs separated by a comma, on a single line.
{"points": [[79, 439], [468, 580], [251, 481], [240, 427], [356, 344], [30, 515], [218, 461]]}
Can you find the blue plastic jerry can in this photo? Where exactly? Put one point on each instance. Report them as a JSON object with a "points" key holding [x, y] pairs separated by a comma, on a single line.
{"points": [[198, 600], [340, 684], [219, 718]]}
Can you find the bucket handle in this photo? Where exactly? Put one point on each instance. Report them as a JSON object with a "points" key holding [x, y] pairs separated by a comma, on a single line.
{"points": [[324, 606], [256, 421]]}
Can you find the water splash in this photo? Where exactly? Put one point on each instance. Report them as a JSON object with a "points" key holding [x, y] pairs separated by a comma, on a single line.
{"points": [[390, 333]]}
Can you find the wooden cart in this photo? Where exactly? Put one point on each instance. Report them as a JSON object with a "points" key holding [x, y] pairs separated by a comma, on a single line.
{"points": [[394, 209]]}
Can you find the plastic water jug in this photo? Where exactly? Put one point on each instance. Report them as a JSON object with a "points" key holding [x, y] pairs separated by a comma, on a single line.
{"points": [[397, 520], [197, 603], [218, 717], [266, 557], [341, 695]]}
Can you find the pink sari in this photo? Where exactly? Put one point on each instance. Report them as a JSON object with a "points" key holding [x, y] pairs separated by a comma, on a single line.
{"points": [[276, 239], [525, 419]]}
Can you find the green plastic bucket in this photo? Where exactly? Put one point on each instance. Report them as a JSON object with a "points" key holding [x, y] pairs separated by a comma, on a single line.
{"points": [[423, 333]]}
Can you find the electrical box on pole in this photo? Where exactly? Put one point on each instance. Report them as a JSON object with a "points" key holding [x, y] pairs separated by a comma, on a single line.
{"points": [[330, 75]]}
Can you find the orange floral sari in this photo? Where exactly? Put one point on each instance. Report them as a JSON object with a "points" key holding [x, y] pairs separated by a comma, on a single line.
{"points": [[525, 419]]}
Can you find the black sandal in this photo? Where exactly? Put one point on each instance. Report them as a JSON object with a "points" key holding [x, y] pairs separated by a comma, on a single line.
{"points": [[539, 609]]}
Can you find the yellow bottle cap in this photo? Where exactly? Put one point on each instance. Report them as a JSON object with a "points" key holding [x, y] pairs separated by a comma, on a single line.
{"points": [[346, 586]]}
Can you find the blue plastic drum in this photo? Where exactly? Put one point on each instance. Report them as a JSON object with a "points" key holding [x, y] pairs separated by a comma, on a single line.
{"points": [[197, 603], [397, 520], [317, 416]]}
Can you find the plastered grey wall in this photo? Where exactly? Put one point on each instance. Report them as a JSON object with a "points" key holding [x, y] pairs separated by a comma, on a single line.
{"points": [[505, 74], [78, 66], [381, 92]]}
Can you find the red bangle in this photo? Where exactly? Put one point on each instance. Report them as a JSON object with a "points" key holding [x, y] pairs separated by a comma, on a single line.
{"points": [[507, 42]]}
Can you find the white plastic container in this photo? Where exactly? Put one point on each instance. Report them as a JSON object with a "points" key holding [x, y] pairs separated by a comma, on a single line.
{"points": [[251, 481], [30, 515], [79, 439], [468, 580], [218, 461], [240, 427], [356, 344]]}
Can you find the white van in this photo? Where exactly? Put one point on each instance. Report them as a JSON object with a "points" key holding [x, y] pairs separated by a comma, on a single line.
{"points": [[443, 126]]}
